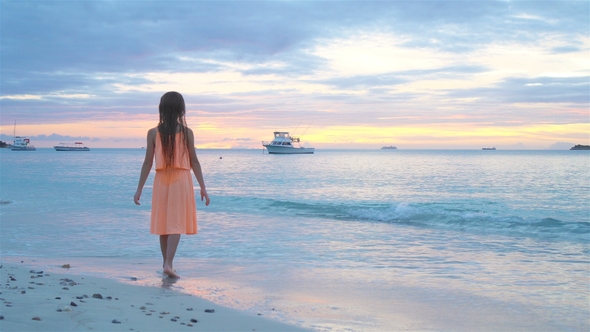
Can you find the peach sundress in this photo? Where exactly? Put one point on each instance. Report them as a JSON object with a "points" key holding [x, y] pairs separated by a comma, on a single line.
{"points": [[174, 210]]}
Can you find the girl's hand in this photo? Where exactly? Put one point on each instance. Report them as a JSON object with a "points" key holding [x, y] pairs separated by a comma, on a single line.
{"points": [[206, 196], [136, 197]]}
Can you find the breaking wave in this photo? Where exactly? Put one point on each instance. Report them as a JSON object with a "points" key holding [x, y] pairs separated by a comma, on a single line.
{"points": [[450, 216]]}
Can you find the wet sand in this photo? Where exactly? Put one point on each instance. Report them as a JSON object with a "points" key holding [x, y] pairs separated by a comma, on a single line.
{"points": [[35, 300]]}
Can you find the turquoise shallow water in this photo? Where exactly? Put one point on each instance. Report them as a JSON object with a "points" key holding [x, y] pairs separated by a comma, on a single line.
{"points": [[489, 234]]}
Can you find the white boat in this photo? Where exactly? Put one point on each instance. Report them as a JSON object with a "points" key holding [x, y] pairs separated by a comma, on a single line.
{"points": [[21, 143], [77, 146], [283, 143]]}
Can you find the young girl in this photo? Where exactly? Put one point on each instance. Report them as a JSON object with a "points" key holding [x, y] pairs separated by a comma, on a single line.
{"points": [[174, 209]]}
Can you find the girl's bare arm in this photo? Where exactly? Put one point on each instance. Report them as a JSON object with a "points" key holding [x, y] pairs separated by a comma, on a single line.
{"points": [[147, 163], [196, 166]]}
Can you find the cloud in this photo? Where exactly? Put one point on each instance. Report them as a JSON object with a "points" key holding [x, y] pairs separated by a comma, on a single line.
{"points": [[270, 64], [54, 137], [566, 49], [533, 90], [243, 139], [240, 147]]}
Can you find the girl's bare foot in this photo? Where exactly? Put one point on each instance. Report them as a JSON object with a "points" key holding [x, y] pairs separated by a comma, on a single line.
{"points": [[170, 272]]}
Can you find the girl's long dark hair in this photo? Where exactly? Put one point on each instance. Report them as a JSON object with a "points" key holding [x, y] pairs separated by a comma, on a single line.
{"points": [[172, 121]]}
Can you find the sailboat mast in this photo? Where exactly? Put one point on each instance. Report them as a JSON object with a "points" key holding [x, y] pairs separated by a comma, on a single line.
{"points": [[14, 133]]}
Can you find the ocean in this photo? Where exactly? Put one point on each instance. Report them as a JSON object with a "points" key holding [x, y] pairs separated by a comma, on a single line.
{"points": [[346, 240]]}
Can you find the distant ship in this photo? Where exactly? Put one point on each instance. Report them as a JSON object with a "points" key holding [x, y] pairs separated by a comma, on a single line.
{"points": [[580, 147], [391, 147], [489, 148], [78, 146]]}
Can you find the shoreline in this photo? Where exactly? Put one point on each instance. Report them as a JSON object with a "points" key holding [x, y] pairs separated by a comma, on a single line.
{"points": [[33, 299]]}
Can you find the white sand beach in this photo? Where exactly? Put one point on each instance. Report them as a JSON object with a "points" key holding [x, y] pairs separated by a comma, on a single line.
{"points": [[36, 300]]}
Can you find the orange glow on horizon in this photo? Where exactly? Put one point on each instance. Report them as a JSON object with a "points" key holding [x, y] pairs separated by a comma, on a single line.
{"points": [[212, 133]]}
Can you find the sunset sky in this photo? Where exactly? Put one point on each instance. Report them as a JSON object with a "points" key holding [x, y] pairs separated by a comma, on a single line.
{"points": [[415, 74]]}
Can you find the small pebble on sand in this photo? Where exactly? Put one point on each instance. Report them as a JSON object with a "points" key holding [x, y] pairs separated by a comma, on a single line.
{"points": [[36, 318], [115, 321], [66, 266]]}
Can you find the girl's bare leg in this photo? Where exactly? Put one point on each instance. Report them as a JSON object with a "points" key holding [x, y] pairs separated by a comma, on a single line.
{"points": [[168, 253], [163, 247]]}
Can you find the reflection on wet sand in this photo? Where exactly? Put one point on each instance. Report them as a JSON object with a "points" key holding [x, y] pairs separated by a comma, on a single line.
{"points": [[168, 282]]}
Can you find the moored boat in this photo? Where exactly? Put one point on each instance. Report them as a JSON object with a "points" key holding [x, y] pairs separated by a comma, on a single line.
{"points": [[283, 143], [77, 146], [22, 144]]}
